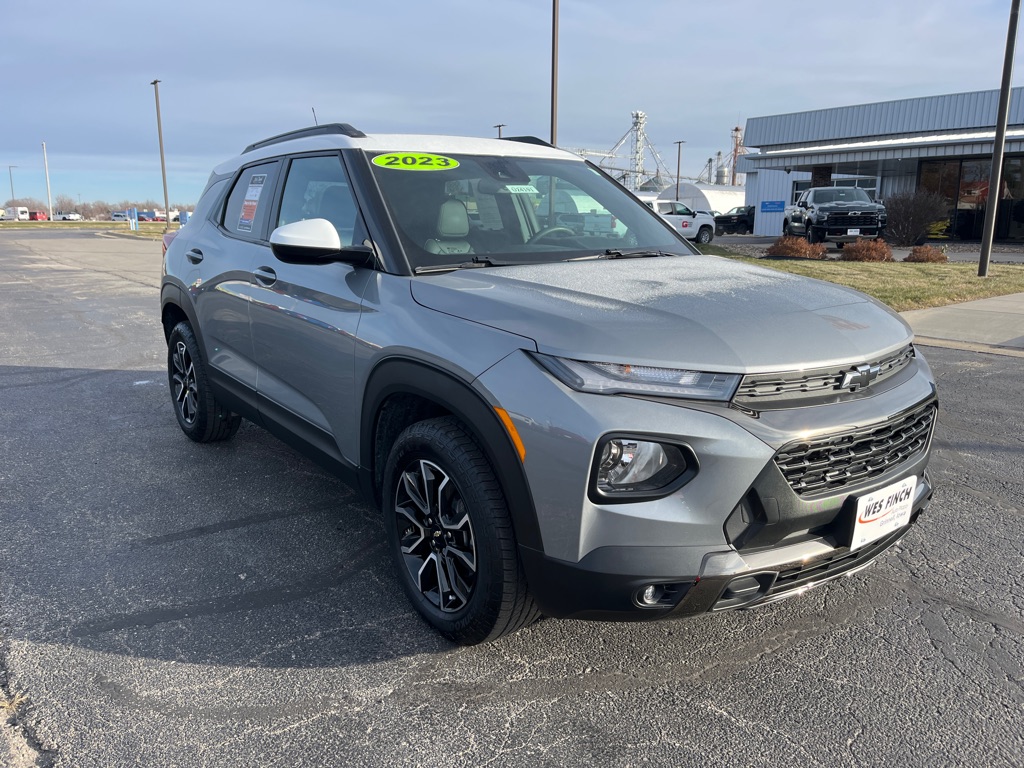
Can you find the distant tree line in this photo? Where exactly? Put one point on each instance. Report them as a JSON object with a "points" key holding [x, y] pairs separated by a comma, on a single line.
{"points": [[99, 210]]}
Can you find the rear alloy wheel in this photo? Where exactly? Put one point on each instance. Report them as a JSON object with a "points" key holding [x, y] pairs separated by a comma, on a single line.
{"points": [[451, 536], [199, 414], [705, 235]]}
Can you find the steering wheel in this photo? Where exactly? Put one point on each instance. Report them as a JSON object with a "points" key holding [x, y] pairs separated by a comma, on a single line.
{"points": [[548, 231]]}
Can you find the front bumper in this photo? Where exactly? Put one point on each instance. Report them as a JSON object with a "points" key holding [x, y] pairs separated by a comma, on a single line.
{"points": [[840, 233], [740, 533], [607, 583]]}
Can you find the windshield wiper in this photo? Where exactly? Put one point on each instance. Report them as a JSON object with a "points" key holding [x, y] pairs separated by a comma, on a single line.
{"points": [[634, 253], [475, 262]]}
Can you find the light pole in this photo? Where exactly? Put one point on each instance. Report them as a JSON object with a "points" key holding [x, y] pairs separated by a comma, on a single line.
{"points": [[554, 74], [499, 126], [11, 174], [49, 198], [163, 165], [999, 147], [679, 157]]}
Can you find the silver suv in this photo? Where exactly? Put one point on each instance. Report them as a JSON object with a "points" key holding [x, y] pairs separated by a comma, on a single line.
{"points": [[577, 417]]}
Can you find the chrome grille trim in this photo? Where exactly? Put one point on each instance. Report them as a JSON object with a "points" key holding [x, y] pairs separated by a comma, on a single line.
{"points": [[761, 389]]}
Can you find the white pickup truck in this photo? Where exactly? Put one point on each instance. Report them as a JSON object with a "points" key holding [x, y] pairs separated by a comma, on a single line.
{"points": [[691, 224], [66, 216]]}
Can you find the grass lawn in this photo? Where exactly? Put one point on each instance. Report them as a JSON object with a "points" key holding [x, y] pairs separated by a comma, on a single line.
{"points": [[909, 286]]}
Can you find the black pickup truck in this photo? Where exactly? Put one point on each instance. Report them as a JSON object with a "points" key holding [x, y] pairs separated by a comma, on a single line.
{"points": [[836, 214], [738, 221]]}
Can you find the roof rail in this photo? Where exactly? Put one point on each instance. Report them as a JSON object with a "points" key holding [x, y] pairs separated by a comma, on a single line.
{"points": [[317, 130], [529, 140]]}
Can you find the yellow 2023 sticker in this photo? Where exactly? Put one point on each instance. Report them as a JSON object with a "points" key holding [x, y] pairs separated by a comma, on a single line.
{"points": [[415, 161]]}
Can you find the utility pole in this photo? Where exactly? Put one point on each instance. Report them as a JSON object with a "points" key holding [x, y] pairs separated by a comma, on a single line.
{"points": [[163, 165], [49, 199], [554, 75], [995, 187], [499, 126], [11, 174], [679, 158]]}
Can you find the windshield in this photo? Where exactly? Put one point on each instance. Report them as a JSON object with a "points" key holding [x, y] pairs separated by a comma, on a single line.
{"points": [[841, 195], [738, 211], [477, 209]]}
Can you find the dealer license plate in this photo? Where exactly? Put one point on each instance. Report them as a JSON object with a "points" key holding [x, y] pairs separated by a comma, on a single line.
{"points": [[883, 512], [853, 231]]}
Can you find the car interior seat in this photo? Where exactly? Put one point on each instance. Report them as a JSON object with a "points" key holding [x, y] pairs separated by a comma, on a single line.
{"points": [[451, 230], [338, 207]]}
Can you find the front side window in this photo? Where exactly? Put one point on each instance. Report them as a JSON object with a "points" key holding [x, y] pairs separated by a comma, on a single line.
{"points": [[248, 204], [451, 208], [318, 188]]}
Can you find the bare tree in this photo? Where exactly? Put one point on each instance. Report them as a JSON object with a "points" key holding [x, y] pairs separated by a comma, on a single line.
{"points": [[912, 215], [65, 203]]}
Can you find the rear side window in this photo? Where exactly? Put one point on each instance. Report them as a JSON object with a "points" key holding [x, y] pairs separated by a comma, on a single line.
{"points": [[207, 202], [318, 188], [246, 212]]}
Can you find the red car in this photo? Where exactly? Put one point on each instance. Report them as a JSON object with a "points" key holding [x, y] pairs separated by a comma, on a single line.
{"points": [[38, 216]]}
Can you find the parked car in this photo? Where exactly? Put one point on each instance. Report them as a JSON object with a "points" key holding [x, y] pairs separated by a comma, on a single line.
{"points": [[600, 425], [738, 221], [17, 213], [119, 216], [67, 216], [834, 214], [693, 225], [145, 216], [38, 216]]}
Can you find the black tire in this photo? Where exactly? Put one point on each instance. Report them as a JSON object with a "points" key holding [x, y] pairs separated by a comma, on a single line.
{"points": [[840, 245], [705, 235], [743, 231], [787, 231], [199, 414], [812, 236], [468, 546]]}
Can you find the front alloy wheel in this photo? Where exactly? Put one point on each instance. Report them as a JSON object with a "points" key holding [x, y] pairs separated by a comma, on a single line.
{"points": [[436, 536], [450, 534]]}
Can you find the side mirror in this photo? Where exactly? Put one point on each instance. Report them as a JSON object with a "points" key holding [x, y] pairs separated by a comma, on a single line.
{"points": [[801, 204], [315, 241]]}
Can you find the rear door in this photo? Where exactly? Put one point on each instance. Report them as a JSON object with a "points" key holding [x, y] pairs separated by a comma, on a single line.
{"points": [[224, 252]]}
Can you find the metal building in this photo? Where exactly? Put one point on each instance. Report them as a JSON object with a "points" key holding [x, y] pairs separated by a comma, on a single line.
{"points": [[939, 143]]}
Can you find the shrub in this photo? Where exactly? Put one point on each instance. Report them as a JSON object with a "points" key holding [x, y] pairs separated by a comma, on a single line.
{"points": [[923, 254], [866, 250], [912, 214], [797, 248]]}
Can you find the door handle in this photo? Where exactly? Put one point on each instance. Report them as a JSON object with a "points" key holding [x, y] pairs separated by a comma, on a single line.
{"points": [[265, 276], [194, 255]]}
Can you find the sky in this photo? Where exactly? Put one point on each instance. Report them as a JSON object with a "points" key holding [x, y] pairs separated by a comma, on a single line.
{"points": [[78, 75]]}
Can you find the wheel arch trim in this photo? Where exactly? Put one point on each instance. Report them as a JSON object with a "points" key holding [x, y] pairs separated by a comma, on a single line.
{"points": [[473, 407]]}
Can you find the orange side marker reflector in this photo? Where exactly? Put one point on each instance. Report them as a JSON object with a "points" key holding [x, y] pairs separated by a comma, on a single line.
{"points": [[511, 429]]}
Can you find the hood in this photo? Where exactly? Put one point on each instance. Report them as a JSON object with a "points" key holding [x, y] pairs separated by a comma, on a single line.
{"points": [[698, 312], [845, 206]]}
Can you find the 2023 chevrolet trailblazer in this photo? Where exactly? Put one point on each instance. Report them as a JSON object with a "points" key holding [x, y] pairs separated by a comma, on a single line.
{"points": [[571, 415]]}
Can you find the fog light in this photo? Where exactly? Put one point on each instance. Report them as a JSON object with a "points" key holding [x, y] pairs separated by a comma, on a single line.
{"points": [[650, 595]]}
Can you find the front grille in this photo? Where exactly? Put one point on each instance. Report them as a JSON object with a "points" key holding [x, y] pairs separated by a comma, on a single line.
{"points": [[758, 390], [836, 461], [853, 220]]}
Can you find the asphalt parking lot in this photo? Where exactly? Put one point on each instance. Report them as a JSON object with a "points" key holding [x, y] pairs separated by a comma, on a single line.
{"points": [[164, 603]]}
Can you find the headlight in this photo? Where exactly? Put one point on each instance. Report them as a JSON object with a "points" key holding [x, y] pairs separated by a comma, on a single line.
{"points": [[631, 469], [620, 378]]}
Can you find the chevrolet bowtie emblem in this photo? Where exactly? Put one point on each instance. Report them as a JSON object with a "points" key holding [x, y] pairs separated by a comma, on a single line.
{"points": [[860, 376]]}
